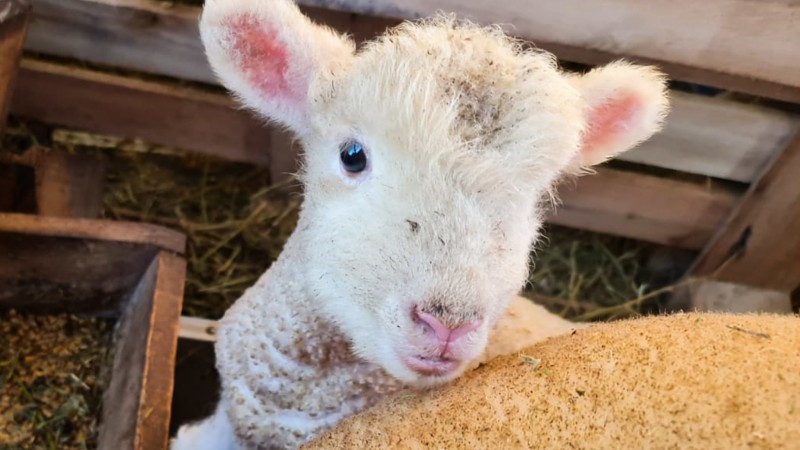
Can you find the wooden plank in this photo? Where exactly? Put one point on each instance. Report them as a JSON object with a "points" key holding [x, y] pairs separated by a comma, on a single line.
{"points": [[198, 329], [660, 210], [707, 136], [152, 423], [13, 25], [759, 244], [51, 183], [716, 137], [707, 295], [103, 230], [148, 36], [704, 35], [159, 113], [50, 273], [69, 186]]}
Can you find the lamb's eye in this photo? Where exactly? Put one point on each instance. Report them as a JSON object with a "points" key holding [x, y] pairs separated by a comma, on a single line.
{"points": [[353, 157]]}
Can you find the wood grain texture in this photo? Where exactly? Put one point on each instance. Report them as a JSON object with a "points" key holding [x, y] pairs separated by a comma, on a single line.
{"points": [[144, 35], [705, 35], [759, 244], [152, 423], [13, 26], [159, 113], [63, 185], [149, 36], [103, 230], [664, 211], [50, 273], [69, 186], [716, 137]]}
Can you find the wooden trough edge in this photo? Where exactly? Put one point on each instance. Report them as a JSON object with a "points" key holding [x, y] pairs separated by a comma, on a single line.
{"points": [[158, 380], [208, 123], [131, 232]]}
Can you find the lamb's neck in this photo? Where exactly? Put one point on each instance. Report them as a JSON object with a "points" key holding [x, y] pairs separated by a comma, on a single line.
{"points": [[281, 307]]}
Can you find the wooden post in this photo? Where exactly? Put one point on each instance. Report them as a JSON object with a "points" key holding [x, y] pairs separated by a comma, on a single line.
{"points": [[759, 244], [13, 26], [51, 184]]}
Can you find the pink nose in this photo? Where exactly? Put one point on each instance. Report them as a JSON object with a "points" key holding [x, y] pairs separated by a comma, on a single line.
{"points": [[443, 333]]}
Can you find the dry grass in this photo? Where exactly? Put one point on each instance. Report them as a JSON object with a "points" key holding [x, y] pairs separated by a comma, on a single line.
{"points": [[588, 276]]}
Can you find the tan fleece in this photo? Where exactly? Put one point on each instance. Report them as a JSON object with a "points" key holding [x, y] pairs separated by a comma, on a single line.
{"points": [[688, 381]]}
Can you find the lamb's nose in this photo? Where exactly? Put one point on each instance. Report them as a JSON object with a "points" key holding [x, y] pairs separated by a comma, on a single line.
{"points": [[443, 333]]}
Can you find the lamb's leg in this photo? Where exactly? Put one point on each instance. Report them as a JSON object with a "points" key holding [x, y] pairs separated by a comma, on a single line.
{"points": [[524, 324], [213, 433]]}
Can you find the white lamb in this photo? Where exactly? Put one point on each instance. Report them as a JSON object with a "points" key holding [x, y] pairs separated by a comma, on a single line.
{"points": [[430, 156]]}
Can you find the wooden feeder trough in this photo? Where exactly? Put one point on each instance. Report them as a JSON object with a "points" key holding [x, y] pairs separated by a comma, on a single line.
{"points": [[126, 271]]}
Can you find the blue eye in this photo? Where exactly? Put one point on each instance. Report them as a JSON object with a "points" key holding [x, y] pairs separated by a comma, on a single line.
{"points": [[353, 157]]}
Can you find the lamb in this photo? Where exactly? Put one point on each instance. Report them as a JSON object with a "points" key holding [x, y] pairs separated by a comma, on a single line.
{"points": [[688, 381], [430, 156]]}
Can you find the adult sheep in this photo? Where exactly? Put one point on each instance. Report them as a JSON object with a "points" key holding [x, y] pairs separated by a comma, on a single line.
{"points": [[687, 381], [430, 156]]}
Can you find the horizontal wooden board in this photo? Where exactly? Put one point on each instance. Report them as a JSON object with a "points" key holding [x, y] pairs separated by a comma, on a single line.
{"points": [[149, 36], [155, 37], [706, 136], [101, 230], [163, 114], [654, 209], [716, 137], [742, 38]]}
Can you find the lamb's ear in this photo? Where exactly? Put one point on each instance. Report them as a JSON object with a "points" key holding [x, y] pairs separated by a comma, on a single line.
{"points": [[626, 104], [271, 55]]}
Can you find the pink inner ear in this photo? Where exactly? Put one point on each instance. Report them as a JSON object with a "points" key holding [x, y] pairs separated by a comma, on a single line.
{"points": [[262, 57], [608, 119]]}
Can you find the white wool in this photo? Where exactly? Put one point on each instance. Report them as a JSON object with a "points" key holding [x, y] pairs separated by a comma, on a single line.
{"points": [[466, 133]]}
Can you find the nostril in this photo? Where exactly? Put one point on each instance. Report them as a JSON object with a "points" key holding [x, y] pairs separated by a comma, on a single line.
{"points": [[442, 332], [463, 330], [433, 324]]}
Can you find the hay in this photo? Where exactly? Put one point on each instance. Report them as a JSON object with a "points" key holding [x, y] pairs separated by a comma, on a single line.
{"points": [[589, 276], [53, 370]]}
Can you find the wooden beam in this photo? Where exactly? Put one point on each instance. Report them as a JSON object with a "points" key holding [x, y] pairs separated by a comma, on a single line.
{"points": [[198, 329], [706, 36], [654, 209], [716, 137], [13, 26], [103, 230], [148, 36], [759, 244], [160, 113], [64, 185]]}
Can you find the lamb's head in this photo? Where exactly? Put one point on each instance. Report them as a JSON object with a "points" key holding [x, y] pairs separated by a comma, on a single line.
{"points": [[427, 157]]}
